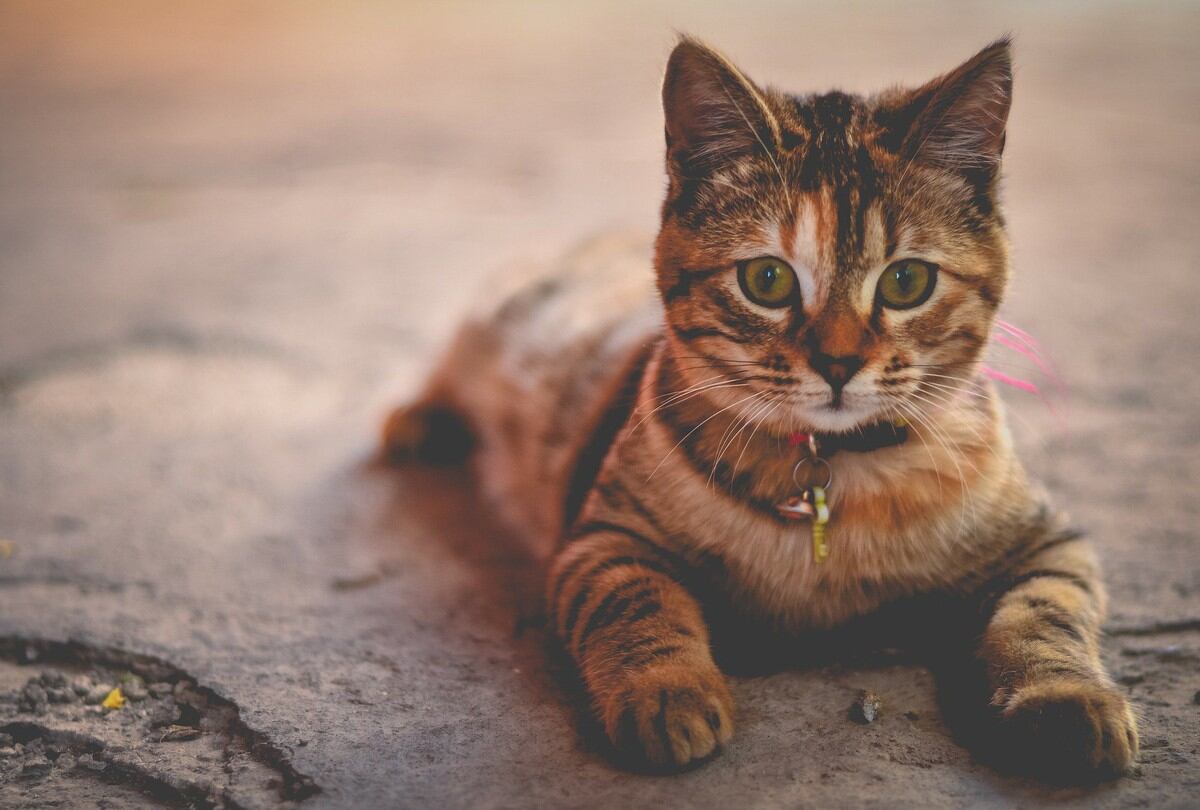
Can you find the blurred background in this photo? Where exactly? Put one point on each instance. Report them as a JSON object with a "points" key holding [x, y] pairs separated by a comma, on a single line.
{"points": [[233, 234]]}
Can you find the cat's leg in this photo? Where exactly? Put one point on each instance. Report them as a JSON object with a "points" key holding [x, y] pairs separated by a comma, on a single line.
{"points": [[641, 645], [1061, 714]]}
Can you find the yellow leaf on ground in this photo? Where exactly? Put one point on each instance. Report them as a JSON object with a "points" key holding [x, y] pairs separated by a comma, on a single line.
{"points": [[115, 699]]}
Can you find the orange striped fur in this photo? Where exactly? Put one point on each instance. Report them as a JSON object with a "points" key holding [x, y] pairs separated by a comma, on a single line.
{"points": [[633, 424]]}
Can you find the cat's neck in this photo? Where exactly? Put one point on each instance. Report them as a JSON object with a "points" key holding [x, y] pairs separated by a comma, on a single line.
{"points": [[723, 424]]}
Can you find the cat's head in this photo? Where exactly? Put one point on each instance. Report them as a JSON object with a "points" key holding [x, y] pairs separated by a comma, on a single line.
{"points": [[842, 255]]}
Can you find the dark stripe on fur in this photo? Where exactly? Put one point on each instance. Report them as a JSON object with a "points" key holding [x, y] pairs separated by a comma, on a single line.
{"points": [[614, 416], [1050, 573], [588, 579], [739, 488], [690, 333], [684, 279], [611, 607]]}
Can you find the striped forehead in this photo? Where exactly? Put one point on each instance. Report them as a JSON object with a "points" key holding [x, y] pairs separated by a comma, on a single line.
{"points": [[837, 220], [810, 241]]}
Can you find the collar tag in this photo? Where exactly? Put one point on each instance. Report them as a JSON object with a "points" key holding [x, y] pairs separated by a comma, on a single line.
{"points": [[810, 501]]}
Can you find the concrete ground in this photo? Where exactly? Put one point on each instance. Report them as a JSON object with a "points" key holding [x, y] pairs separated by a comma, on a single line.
{"points": [[231, 235]]}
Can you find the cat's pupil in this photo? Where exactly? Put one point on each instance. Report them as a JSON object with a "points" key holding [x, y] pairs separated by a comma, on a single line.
{"points": [[904, 277], [768, 277]]}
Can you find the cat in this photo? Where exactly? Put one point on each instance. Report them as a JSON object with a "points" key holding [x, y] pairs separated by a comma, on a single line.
{"points": [[785, 424]]}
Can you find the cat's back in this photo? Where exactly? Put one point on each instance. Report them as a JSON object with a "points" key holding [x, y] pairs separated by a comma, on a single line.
{"points": [[543, 364]]}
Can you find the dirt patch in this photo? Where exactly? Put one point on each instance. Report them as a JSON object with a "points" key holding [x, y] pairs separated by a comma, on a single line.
{"points": [[102, 726]]}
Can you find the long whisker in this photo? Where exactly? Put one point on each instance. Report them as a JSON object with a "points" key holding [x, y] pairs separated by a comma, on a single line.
{"points": [[740, 424], [943, 440], [737, 463], [698, 385], [893, 411], [688, 395], [940, 404], [697, 427]]}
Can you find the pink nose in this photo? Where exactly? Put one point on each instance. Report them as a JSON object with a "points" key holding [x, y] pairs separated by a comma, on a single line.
{"points": [[837, 371]]}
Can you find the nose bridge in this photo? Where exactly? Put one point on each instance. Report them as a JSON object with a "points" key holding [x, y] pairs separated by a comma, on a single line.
{"points": [[840, 332]]}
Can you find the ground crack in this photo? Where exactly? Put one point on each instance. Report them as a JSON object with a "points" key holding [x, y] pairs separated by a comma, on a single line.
{"points": [[173, 740]]}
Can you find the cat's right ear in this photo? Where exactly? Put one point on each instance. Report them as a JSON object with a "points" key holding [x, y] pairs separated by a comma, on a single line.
{"points": [[714, 114], [957, 121]]}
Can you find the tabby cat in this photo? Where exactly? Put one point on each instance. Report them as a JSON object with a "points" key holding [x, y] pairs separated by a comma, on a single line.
{"points": [[790, 430]]}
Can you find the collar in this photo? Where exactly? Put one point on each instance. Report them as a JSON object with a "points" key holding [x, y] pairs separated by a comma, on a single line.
{"points": [[810, 502], [875, 436]]}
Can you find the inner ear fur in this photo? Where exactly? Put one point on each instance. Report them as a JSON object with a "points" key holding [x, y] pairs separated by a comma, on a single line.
{"points": [[957, 121], [714, 113]]}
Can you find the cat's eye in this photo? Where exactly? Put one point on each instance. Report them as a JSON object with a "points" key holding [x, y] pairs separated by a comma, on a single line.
{"points": [[768, 282], [906, 284]]}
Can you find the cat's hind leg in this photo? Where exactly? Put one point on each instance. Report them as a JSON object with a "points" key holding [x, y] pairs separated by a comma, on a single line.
{"points": [[435, 427], [1062, 717]]}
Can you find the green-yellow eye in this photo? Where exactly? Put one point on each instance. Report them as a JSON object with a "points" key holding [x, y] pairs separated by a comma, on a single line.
{"points": [[906, 284], [768, 282]]}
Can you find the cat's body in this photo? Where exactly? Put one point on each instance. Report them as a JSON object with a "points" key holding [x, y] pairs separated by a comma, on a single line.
{"points": [[827, 265]]}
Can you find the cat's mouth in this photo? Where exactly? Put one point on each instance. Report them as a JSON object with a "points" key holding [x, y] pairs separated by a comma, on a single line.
{"points": [[840, 414]]}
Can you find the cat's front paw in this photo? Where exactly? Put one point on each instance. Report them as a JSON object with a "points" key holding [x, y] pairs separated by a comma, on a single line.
{"points": [[671, 716], [1070, 730]]}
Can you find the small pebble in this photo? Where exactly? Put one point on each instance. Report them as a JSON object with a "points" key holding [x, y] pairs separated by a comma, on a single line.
{"points": [[35, 767], [135, 690], [98, 693], [64, 762], [7, 751], [91, 763], [33, 698], [60, 695], [81, 685], [52, 677], [165, 714], [865, 708], [160, 689]]}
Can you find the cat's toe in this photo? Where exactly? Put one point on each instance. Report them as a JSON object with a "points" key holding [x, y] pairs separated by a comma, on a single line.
{"points": [[672, 716], [1070, 731]]}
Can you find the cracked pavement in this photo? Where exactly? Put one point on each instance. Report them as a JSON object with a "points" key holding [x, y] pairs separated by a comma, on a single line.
{"points": [[231, 235]]}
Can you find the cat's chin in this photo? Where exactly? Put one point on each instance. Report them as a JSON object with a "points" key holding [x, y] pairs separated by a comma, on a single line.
{"points": [[827, 419]]}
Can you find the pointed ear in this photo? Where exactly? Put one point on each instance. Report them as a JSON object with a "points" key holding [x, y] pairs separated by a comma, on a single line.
{"points": [[713, 112], [956, 121]]}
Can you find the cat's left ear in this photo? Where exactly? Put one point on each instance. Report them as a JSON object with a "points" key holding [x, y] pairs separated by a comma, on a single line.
{"points": [[957, 121], [714, 113]]}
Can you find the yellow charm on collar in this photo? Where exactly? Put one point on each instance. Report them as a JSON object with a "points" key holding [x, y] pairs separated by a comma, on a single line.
{"points": [[820, 518]]}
